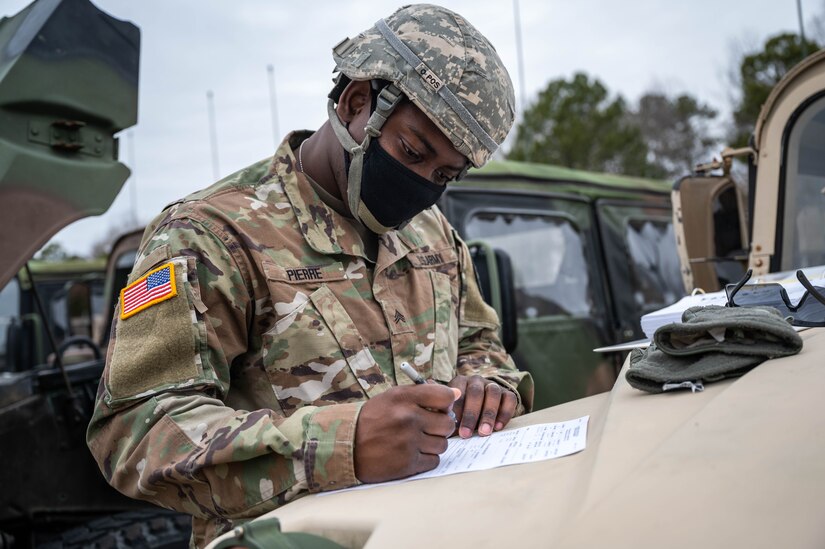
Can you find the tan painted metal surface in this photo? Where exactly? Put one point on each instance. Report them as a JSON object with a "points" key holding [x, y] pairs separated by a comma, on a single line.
{"points": [[694, 212], [740, 465], [805, 80]]}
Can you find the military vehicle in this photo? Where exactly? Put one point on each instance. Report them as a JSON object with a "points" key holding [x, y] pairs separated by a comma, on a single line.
{"points": [[591, 253], [739, 464], [68, 85], [773, 221]]}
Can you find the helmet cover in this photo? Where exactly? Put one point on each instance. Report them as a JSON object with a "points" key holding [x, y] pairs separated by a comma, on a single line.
{"points": [[445, 67]]}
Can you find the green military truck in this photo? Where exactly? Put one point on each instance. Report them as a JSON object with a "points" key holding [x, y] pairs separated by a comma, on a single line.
{"points": [[68, 85], [590, 253]]}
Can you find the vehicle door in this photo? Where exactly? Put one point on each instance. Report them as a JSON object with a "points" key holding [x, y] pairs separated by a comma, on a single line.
{"points": [[560, 301], [641, 259], [800, 238]]}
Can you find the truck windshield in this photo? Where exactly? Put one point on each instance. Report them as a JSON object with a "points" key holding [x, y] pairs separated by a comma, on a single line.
{"points": [[803, 237], [550, 270], [651, 245]]}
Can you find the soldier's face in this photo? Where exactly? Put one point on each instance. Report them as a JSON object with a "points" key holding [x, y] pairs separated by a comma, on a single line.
{"points": [[412, 139]]}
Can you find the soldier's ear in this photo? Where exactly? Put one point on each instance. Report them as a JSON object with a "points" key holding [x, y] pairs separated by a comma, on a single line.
{"points": [[355, 100]]}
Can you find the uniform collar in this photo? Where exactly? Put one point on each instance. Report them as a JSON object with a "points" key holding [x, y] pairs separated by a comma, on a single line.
{"points": [[325, 230]]}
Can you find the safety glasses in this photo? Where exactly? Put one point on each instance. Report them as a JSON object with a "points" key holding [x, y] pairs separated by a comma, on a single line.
{"points": [[808, 311]]}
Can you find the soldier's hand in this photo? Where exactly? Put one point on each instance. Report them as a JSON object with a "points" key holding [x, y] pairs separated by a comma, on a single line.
{"points": [[401, 431], [484, 405]]}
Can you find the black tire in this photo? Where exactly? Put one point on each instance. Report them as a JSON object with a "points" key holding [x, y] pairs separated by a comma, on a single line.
{"points": [[135, 530]]}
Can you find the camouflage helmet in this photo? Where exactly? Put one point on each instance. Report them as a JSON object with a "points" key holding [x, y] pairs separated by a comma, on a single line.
{"points": [[446, 67]]}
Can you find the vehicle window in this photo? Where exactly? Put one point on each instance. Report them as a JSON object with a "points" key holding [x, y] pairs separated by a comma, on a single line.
{"points": [[547, 252], [654, 262], [9, 309], [98, 296], [58, 310], [803, 240], [79, 302], [126, 260], [641, 260]]}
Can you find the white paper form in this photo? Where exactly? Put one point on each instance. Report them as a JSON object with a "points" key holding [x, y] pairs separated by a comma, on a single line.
{"points": [[523, 445], [526, 444]]}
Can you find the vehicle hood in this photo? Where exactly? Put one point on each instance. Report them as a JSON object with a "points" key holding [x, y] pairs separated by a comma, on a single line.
{"points": [[68, 84], [739, 464]]}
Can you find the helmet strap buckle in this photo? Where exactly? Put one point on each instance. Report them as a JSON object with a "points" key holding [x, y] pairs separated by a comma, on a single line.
{"points": [[388, 98]]}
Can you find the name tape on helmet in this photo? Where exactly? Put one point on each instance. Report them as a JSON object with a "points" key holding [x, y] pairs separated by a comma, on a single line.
{"points": [[429, 77]]}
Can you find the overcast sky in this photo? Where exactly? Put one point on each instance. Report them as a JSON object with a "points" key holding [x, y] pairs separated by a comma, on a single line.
{"points": [[189, 47]]}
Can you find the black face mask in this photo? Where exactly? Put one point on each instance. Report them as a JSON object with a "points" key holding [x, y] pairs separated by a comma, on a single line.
{"points": [[392, 193]]}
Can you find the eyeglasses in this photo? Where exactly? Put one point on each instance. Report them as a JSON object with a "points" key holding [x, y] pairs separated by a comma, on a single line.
{"points": [[809, 310]]}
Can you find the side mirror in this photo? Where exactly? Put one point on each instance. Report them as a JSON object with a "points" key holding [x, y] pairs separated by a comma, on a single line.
{"points": [[495, 278]]}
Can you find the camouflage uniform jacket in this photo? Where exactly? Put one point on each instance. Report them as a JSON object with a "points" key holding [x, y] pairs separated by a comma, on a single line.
{"points": [[242, 390]]}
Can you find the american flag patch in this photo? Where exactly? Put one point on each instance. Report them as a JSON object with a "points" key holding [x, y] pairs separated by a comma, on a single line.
{"points": [[155, 286]]}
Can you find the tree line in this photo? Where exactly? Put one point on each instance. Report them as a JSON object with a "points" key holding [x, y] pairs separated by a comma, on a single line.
{"points": [[578, 123]]}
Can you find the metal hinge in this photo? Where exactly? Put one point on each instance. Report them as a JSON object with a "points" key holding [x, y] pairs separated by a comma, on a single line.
{"points": [[70, 136]]}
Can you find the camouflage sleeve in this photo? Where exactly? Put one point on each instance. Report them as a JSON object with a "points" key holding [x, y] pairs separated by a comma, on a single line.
{"points": [[480, 351], [161, 429]]}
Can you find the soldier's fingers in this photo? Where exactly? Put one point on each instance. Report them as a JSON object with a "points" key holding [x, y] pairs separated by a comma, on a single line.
{"points": [[434, 397], [433, 445], [489, 412], [437, 424], [509, 401], [473, 400], [460, 383], [426, 462]]}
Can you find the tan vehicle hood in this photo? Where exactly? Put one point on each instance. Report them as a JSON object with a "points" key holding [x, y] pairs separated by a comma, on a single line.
{"points": [[741, 464]]}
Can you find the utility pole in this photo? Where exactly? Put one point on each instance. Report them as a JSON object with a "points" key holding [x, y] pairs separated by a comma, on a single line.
{"points": [[801, 28], [213, 134], [520, 55], [130, 140], [273, 106]]}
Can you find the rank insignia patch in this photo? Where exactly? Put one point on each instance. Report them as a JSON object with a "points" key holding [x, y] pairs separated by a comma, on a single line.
{"points": [[155, 286]]}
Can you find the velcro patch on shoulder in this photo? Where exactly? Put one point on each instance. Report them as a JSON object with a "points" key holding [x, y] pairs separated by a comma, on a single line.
{"points": [[158, 349], [155, 286]]}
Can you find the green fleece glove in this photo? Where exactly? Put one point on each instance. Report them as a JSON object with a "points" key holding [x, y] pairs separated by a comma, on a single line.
{"points": [[653, 371], [760, 331], [711, 343]]}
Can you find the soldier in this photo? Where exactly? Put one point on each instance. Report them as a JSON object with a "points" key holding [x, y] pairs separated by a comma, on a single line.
{"points": [[256, 349]]}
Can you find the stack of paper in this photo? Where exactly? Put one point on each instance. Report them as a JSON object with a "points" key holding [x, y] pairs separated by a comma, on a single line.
{"points": [[653, 321]]}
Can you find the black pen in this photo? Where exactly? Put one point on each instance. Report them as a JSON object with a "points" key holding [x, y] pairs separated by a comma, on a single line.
{"points": [[416, 378]]}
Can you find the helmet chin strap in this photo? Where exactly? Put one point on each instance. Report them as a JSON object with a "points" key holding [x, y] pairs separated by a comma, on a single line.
{"points": [[388, 98]]}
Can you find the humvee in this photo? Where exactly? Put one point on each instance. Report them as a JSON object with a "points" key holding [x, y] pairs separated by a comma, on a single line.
{"points": [[590, 254], [68, 85], [773, 221], [739, 464]]}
